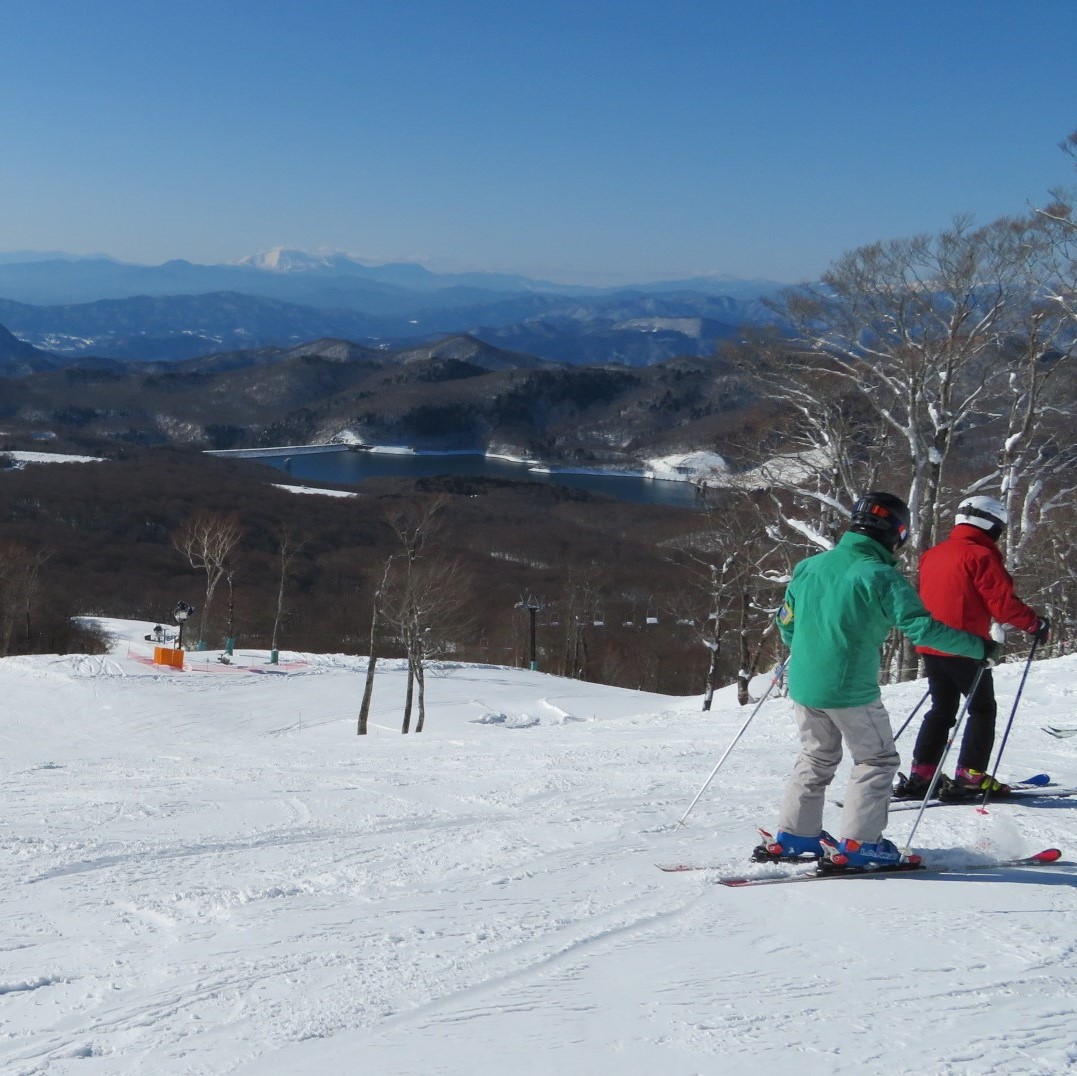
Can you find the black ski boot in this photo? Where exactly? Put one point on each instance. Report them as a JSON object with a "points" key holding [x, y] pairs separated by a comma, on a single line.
{"points": [[914, 787]]}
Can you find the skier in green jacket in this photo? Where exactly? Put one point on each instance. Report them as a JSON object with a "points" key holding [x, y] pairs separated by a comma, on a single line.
{"points": [[838, 609]]}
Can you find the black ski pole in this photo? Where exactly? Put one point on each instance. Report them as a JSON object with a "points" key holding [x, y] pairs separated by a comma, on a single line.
{"points": [[1013, 714], [942, 761], [915, 711]]}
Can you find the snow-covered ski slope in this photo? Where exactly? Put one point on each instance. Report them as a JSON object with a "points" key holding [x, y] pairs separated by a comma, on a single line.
{"points": [[208, 872]]}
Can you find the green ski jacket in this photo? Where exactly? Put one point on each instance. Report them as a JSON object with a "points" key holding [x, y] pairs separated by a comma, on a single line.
{"points": [[838, 609]]}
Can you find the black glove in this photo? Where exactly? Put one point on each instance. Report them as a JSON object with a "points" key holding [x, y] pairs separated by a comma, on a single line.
{"points": [[992, 652], [1043, 629]]}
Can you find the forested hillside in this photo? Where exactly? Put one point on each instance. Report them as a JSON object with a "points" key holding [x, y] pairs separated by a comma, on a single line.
{"points": [[456, 394]]}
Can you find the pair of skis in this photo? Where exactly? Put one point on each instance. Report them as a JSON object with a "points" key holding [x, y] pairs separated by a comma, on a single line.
{"points": [[1017, 795], [1058, 732], [818, 873], [1036, 787]]}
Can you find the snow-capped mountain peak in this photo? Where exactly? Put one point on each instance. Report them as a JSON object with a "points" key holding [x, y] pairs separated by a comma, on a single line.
{"points": [[286, 260]]}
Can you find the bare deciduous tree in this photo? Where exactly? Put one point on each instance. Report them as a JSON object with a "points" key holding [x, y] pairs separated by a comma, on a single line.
{"points": [[288, 548], [426, 605], [740, 565], [421, 600], [1035, 465], [911, 332], [917, 360], [578, 611], [716, 565], [208, 541]]}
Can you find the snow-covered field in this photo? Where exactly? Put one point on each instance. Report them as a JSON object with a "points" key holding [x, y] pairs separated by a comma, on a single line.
{"points": [[21, 459], [208, 872], [315, 490]]}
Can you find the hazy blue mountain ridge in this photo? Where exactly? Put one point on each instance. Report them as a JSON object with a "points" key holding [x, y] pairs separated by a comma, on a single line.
{"points": [[633, 328], [178, 310], [66, 279]]}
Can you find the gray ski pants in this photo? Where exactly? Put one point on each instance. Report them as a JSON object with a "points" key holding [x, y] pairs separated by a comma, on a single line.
{"points": [[869, 739]]}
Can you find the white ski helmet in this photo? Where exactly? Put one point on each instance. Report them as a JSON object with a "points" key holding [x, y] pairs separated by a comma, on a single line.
{"points": [[984, 512]]}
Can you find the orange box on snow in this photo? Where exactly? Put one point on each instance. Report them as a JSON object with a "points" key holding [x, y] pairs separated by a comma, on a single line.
{"points": [[167, 655]]}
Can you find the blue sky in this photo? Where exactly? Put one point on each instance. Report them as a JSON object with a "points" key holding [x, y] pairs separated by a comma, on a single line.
{"points": [[594, 141]]}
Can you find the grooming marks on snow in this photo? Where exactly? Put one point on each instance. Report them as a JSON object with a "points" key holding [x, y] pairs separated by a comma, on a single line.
{"points": [[514, 975], [284, 730], [86, 666], [180, 1013], [155, 862], [1040, 1023]]}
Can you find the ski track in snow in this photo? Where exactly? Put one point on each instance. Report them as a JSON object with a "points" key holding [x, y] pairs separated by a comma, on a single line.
{"points": [[213, 874]]}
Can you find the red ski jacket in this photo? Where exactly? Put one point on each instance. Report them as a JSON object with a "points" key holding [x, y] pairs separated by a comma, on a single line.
{"points": [[964, 583]]}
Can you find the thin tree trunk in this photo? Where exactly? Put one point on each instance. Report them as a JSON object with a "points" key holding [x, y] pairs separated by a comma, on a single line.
{"points": [[749, 667], [368, 693], [714, 646], [211, 587], [409, 696], [420, 677], [371, 663], [280, 602], [581, 656], [372, 660]]}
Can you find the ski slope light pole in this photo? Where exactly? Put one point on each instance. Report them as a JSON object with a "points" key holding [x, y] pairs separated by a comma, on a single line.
{"points": [[766, 694], [180, 615], [942, 761], [1013, 714], [532, 611], [532, 605]]}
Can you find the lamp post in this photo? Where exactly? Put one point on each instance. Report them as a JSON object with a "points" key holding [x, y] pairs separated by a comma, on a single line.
{"points": [[532, 605], [180, 615]]}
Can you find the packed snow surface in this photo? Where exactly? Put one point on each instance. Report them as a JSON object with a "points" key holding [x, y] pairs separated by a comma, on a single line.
{"points": [[206, 871]]}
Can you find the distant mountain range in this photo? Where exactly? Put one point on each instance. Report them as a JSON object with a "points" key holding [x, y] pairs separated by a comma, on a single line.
{"points": [[321, 279], [77, 307]]}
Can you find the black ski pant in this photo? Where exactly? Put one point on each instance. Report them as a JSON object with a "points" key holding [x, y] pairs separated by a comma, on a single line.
{"points": [[950, 677]]}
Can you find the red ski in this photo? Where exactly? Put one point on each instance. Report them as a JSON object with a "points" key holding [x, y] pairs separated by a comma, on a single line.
{"points": [[815, 874]]}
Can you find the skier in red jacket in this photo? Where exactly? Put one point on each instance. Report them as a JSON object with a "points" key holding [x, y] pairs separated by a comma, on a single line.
{"points": [[964, 583]]}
